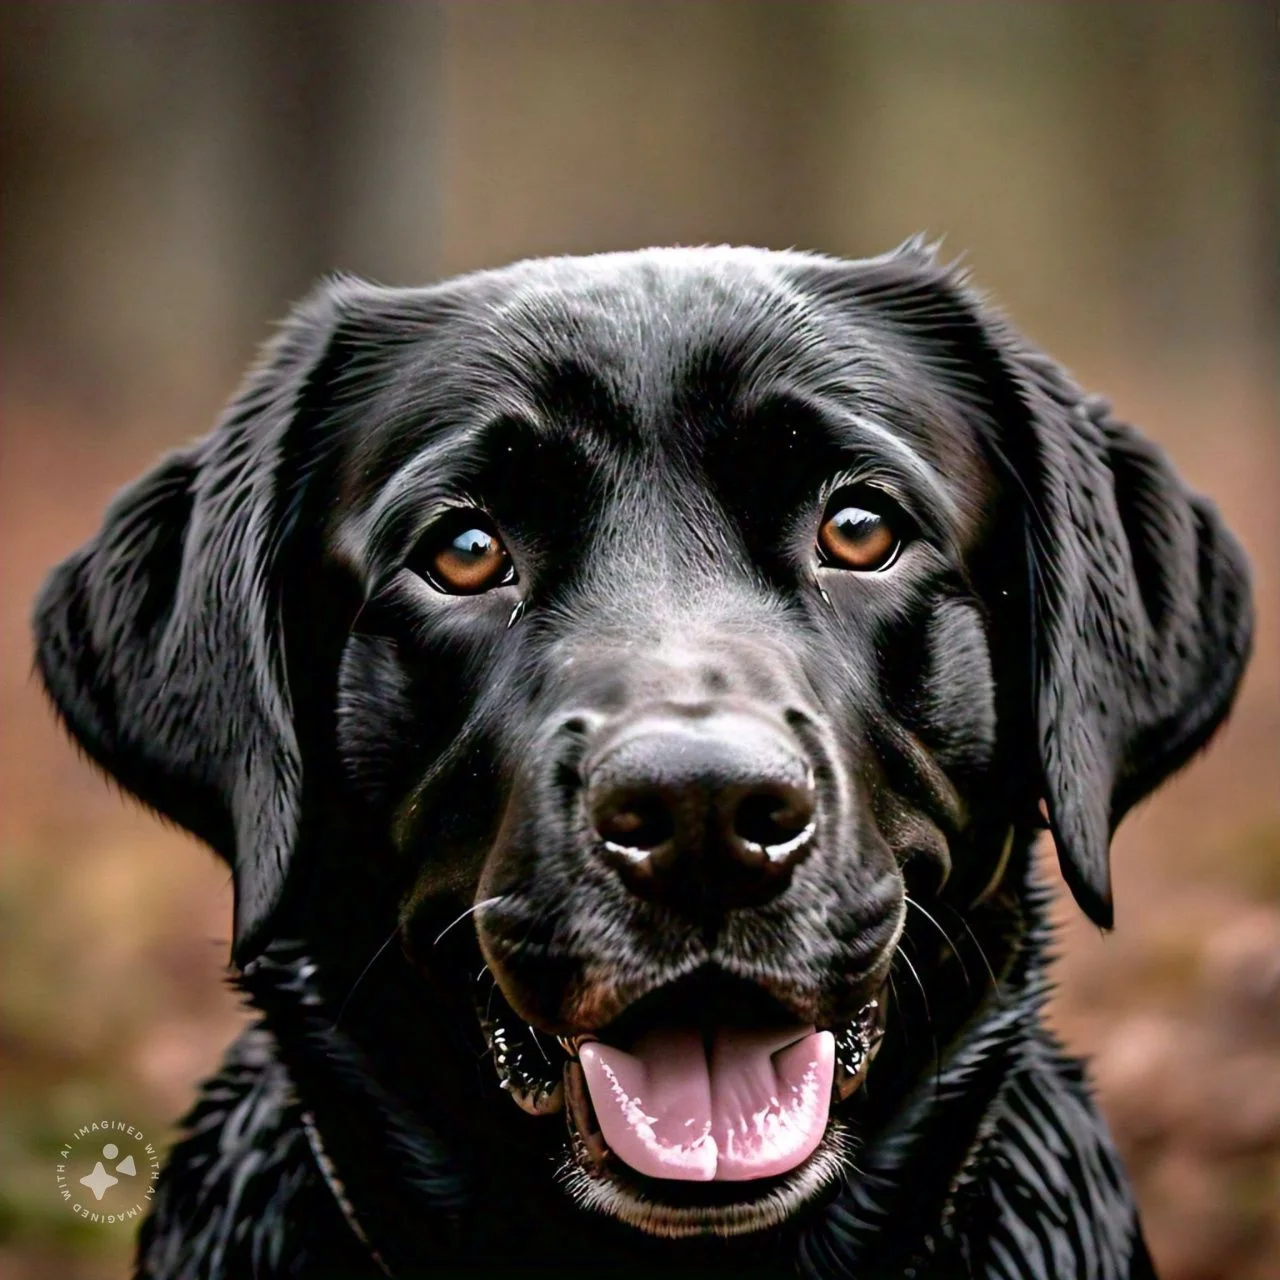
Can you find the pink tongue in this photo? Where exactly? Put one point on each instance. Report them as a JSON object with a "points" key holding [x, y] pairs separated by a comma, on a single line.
{"points": [[756, 1109]]}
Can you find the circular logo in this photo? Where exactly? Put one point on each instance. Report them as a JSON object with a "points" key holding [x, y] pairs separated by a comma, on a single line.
{"points": [[107, 1172]]}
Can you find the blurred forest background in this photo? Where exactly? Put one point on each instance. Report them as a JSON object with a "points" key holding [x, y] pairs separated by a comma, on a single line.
{"points": [[175, 173]]}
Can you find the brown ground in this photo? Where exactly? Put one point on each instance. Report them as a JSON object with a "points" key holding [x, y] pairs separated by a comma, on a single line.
{"points": [[115, 927]]}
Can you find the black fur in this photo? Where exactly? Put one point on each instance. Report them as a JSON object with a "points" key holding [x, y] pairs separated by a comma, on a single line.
{"points": [[253, 646]]}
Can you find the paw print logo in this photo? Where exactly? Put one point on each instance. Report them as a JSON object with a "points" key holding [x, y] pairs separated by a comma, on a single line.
{"points": [[100, 1181], [107, 1172]]}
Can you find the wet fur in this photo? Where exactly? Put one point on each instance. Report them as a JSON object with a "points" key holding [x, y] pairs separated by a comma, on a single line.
{"points": [[246, 647]]}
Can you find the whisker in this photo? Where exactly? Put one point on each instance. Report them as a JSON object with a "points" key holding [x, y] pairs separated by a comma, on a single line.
{"points": [[363, 974], [538, 1042], [488, 1013], [973, 937], [916, 975], [485, 902], [964, 969], [897, 1003], [462, 742], [928, 1017], [409, 812]]}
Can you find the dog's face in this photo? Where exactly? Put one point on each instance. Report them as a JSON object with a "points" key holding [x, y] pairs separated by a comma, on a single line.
{"points": [[684, 576], [676, 614]]}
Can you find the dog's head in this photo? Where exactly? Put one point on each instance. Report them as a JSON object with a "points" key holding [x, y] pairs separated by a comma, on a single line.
{"points": [[685, 615]]}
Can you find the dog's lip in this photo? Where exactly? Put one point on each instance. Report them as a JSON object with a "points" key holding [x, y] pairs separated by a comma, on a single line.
{"points": [[722, 1209], [525, 1063], [868, 1019], [857, 1043], [872, 1012], [525, 1066]]}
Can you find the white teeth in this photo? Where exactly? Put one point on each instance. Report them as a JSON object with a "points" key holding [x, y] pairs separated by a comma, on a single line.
{"points": [[571, 1044]]}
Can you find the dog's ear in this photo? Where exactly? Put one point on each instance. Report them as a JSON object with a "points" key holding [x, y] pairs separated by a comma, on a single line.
{"points": [[1141, 616], [161, 640]]}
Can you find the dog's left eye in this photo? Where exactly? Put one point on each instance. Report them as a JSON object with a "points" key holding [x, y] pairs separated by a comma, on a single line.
{"points": [[852, 537], [463, 558]]}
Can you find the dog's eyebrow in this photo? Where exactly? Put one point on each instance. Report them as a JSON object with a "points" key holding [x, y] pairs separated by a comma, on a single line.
{"points": [[884, 449], [451, 464], [584, 432], [863, 444], [399, 498]]}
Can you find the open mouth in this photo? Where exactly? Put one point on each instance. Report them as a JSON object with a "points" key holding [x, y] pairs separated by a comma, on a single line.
{"points": [[704, 1108]]}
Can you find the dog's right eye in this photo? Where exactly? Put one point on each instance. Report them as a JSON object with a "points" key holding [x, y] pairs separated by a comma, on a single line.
{"points": [[858, 533], [463, 557]]}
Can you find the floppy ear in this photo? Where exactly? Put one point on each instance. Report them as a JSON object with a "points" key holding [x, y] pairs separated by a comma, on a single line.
{"points": [[160, 641], [1141, 617]]}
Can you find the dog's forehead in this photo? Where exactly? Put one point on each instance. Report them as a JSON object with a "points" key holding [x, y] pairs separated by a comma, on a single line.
{"points": [[636, 325], [661, 346], [652, 300]]}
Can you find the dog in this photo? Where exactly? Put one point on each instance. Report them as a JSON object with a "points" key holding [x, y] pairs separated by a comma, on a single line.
{"points": [[628, 691]]}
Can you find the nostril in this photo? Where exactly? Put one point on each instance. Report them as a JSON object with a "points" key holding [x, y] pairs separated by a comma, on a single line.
{"points": [[797, 720], [637, 822], [776, 822]]}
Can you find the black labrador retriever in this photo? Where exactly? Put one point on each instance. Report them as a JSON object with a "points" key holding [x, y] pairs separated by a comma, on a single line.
{"points": [[628, 690]]}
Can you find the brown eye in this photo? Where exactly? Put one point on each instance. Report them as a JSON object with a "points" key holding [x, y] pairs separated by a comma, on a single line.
{"points": [[854, 538], [466, 560]]}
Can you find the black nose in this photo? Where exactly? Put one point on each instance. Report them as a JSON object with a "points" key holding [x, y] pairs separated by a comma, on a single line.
{"points": [[702, 812]]}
